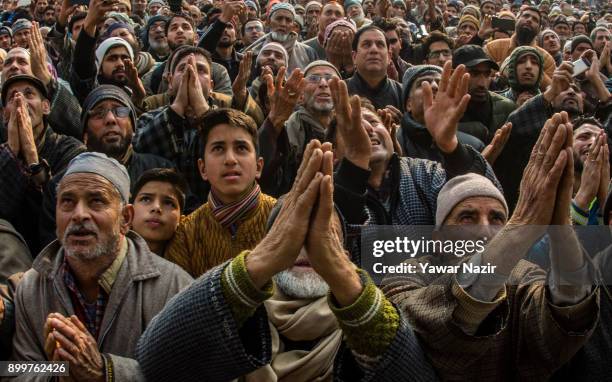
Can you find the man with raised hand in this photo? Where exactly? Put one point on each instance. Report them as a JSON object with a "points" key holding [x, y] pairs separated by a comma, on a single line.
{"points": [[376, 185], [511, 320], [250, 317]]}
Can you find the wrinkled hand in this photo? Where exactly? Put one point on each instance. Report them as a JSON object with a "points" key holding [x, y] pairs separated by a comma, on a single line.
{"points": [[181, 99], [326, 253], [283, 98], [391, 121], [352, 135], [542, 176], [391, 70], [591, 175], [239, 87], [493, 149], [561, 81], [604, 60], [230, 8], [604, 179], [76, 346], [198, 105], [134, 82], [26, 133], [443, 113], [96, 13], [67, 9], [38, 55], [561, 214], [333, 49], [283, 243], [13, 139], [486, 28], [382, 7]]}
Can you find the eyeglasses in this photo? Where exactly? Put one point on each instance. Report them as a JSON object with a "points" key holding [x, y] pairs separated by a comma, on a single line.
{"points": [[316, 78], [255, 28], [119, 112], [438, 53]]}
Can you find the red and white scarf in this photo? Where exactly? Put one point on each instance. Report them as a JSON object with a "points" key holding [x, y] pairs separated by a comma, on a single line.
{"points": [[228, 215]]}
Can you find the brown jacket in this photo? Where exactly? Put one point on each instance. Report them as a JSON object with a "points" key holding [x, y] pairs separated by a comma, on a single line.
{"points": [[143, 286], [521, 335], [251, 108]]}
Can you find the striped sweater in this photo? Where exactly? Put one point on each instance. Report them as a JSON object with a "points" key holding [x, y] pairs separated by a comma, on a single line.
{"points": [[201, 243]]}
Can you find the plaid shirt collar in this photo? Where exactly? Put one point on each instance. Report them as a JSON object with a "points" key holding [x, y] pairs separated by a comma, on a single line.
{"points": [[91, 314]]}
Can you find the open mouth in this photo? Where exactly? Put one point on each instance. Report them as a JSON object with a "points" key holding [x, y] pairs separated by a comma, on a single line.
{"points": [[82, 235], [374, 141]]}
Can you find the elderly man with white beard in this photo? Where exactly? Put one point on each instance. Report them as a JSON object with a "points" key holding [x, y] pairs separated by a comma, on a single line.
{"points": [[79, 300], [281, 19], [282, 140], [295, 308]]}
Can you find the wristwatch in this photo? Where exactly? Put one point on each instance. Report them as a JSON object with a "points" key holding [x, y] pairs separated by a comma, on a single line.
{"points": [[35, 168]]}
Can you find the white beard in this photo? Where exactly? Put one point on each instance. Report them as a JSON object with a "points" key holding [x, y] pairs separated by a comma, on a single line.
{"points": [[302, 285], [279, 37]]}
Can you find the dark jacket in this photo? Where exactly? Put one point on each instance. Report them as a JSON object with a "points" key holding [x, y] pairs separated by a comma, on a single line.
{"points": [[591, 361], [388, 92], [414, 185], [416, 141], [164, 133], [209, 41], [15, 256], [84, 73], [282, 153], [20, 199], [135, 165], [201, 342], [500, 109], [527, 122]]}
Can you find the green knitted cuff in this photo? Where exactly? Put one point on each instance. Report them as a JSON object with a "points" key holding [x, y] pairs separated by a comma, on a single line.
{"points": [[370, 323], [241, 294]]}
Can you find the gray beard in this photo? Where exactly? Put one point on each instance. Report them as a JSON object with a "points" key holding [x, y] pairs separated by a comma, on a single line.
{"points": [[279, 37], [110, 245], [160, 48], [319, 107], [308, 285]]}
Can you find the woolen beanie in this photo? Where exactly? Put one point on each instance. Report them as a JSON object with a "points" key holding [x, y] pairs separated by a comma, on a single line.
{"points": [[463, 187], [411, 74], [320, 63], [102, 93], [109, 43], [468, 19], [278, 6], [579, 40], [513, 59]]}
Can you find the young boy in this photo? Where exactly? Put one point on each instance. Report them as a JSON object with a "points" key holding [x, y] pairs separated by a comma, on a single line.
{"points": [[158, 202], [234, 218]]}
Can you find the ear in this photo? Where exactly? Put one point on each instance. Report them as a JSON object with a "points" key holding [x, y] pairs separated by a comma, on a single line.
{"points": [[168, 78], [127, 216], [353, 54], [260, 164], [202, 168], [46, 107]]}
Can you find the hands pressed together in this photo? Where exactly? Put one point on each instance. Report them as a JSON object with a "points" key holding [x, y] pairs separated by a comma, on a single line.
{"points": [[307, 218], [190, 101], [67, 339]]}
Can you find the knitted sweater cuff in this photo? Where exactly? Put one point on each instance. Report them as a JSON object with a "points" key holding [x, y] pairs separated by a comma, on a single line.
{"points": [[241, 294], [370, 323]]}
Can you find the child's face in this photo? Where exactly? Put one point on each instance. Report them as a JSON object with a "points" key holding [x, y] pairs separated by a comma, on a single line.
{"points": [[230, 162], [156, 212]]}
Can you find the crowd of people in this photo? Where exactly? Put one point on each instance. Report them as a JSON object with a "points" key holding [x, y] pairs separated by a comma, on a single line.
{"points": [[185, 186]]}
